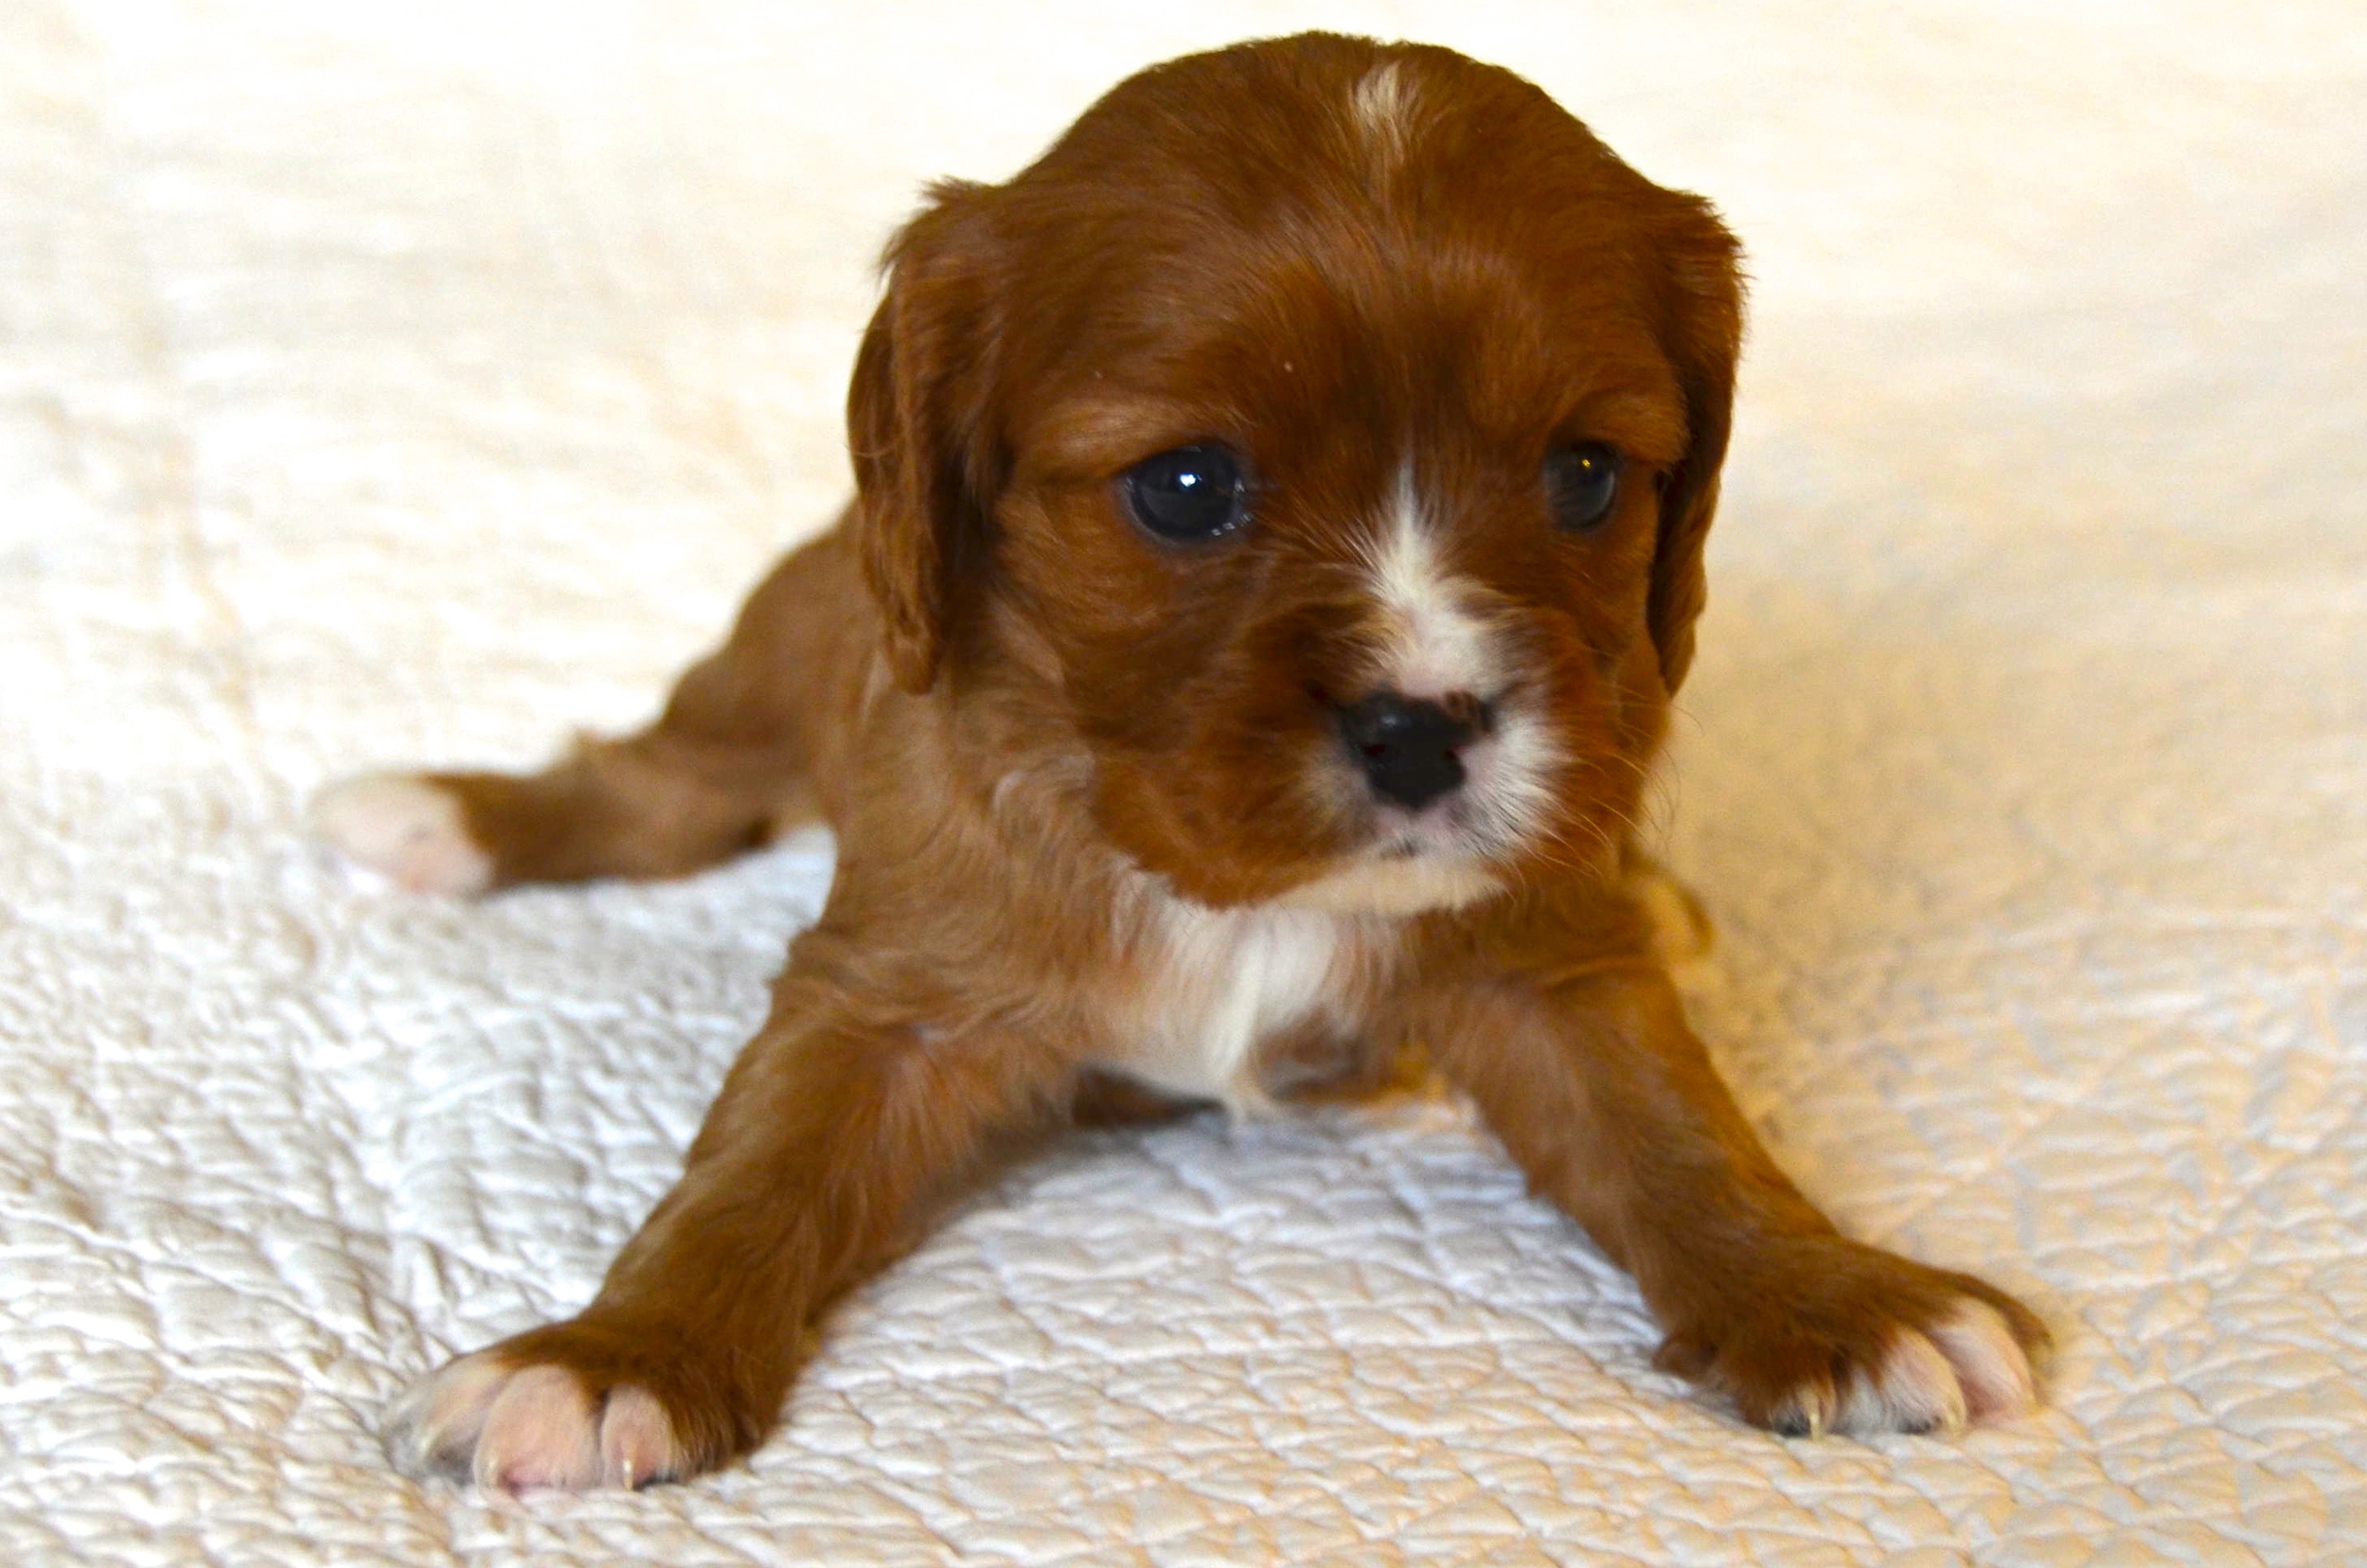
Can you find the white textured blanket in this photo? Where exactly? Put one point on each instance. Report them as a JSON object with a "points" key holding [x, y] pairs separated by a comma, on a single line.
{"points": [[413, 381]]}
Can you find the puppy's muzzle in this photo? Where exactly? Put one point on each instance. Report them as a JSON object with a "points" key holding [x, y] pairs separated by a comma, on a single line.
{"points": [[1409, 748]]}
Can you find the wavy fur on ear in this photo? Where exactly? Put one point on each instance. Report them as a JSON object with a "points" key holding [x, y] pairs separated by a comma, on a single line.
{"points": [[917, 416], [1701, 332]]}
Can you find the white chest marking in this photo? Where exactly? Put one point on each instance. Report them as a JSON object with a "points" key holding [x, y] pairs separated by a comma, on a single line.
{"points": [[1217, 984]]}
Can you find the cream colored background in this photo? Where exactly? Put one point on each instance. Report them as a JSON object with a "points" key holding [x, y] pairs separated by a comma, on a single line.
{"points": [[415, 382]]}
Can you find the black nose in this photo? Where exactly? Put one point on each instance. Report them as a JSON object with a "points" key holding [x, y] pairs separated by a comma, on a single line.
{"points": [[1407, 746]]}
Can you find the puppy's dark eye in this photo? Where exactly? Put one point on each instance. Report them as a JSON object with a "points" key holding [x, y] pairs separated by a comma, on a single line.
{"points": [[1582, 482], [1194, 492]]}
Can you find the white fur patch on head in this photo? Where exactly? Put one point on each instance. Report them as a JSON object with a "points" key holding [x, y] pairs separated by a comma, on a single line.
{"points": [[1383, 106]]}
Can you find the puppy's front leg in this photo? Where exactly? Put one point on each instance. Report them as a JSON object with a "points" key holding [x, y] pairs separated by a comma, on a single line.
{"points": [[836, 1127], [1606, 1098]]}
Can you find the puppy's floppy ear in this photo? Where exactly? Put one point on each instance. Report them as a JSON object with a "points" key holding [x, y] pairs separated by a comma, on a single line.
{"points": [[1701, 330], [917, 417]]}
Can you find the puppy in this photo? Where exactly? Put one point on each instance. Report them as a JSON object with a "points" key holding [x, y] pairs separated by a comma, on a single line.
{"points": [[1278, 536]]}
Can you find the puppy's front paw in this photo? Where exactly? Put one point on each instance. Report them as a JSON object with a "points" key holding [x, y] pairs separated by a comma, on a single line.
{"points": [[539, 1411], [406, 826], [1832, 1336]]}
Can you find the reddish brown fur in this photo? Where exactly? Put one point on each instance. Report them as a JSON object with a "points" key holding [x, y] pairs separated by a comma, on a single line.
{"points": [[1018, 711]]}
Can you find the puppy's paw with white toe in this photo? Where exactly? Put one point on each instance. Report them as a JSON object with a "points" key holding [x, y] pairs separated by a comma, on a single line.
{"points": [[1964, 1370], [410, 828], [517, 1427], [1830, 1336]]}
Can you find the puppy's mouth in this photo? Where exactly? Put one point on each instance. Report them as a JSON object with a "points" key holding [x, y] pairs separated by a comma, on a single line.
{"points": [[1435, 845], [1453, 828]]}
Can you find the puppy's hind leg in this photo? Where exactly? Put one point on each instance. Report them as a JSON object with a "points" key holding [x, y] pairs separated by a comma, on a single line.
{"points": [[641, 807], [733, 758]]}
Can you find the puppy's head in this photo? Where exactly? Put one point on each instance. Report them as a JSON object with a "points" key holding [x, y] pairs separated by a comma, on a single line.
{"points": [[1324, 434]]}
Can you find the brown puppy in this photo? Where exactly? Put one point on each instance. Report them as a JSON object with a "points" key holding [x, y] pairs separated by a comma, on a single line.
{"points": [[1279, 533]]}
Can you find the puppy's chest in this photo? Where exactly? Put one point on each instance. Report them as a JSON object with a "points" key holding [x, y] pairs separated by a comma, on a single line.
{"points": [[1234, 1005]]}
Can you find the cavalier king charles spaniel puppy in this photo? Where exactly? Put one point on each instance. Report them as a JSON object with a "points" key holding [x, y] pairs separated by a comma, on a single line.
{"points": [[1278, 536]]}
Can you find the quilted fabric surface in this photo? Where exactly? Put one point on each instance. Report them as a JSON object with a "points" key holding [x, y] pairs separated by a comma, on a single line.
{"points": [[412, 382]]}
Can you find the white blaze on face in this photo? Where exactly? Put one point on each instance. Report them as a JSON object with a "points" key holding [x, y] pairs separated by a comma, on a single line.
{"points": [[1432, 645]]}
